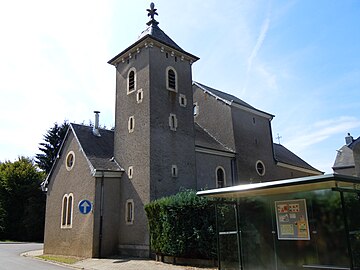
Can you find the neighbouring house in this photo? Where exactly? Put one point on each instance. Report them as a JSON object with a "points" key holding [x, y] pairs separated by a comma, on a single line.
{"points": [[347, 161], [170, 133]]}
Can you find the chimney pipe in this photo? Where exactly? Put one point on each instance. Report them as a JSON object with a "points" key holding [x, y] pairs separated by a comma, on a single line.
{"points": [[96, 125], [349, 139]]}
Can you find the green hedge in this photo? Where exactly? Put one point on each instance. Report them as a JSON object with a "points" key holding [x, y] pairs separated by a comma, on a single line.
{"points": [[182, 225]]}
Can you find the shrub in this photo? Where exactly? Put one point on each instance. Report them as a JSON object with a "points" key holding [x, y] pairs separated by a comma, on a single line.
{"points": [[182, 225]]}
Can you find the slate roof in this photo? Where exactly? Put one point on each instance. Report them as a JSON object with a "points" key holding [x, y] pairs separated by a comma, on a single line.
{"points": [[157, 34], [354, 143], [344, 158], [227, 98], [98, 150], [205, 140], [282, 154]]}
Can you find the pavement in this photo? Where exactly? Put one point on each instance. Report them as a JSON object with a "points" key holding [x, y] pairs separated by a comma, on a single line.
{"points": [[120, 264]]}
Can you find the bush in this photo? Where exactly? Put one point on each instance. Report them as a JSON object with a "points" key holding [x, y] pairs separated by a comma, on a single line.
{"points": [[182, 225]]}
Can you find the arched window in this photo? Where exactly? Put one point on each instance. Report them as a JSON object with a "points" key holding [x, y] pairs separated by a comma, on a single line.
{"points": [[171, 79], [67, 210], [220, 177], [64, 209], [131, 81]]}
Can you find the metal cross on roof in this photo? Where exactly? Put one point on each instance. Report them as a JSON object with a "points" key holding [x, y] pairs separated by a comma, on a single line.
{"points": [[151, 13], [278, 137]]}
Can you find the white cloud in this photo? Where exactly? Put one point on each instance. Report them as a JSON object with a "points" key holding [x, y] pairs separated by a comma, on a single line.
{"points": [[313, 134]]}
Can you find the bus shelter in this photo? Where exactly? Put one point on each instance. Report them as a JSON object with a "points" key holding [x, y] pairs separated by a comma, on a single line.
{"points": [[302, 223]]}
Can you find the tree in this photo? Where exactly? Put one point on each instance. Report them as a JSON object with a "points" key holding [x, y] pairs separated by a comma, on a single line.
{"points": [[23, 203], [53, 140]]}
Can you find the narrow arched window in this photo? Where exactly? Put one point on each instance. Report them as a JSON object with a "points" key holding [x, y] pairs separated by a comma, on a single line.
{"points": [[171, 79], [64, 210], [220, 177], [69, 212], [131, 81]]}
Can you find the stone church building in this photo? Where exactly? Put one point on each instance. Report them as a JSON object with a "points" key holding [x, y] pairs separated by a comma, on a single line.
{"points": [[170, 133]]}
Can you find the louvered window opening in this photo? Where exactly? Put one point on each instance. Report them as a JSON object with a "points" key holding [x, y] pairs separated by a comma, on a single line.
{"points": [[172, 79], [132, 81]]}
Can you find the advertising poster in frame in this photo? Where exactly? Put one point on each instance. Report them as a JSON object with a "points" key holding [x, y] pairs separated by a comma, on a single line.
{"points": [[292, 220]]}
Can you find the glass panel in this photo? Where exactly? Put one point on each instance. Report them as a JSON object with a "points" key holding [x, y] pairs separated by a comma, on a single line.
{"points": [[257, 238], [228, 237], [353, 213]]}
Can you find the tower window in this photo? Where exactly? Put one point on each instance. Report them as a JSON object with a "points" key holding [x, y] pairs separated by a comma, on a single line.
{"points": [[220, 177], [182, 100], [131, 124], [139, 95], [129, 212], [174, 171], [172, 122], [171, 79], [131, 80]]}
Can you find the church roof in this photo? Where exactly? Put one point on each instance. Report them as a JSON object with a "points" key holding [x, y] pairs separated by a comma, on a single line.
{"points": [[228, 98], [156, 33], [284, 155], [98, 150], [205, 140]]}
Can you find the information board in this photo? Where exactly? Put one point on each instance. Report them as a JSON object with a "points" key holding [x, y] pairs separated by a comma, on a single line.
{"points": [[292, 220]]}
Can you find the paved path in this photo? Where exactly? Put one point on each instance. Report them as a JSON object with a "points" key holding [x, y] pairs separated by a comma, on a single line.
{"points": [[131, 264], [122, 264]]}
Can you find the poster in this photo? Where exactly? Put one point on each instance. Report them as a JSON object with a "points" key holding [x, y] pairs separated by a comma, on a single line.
{"points": [[292, 220]]}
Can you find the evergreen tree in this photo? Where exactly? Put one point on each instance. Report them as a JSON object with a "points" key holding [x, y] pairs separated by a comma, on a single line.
{"points": [[22, 201], [53, 139]]}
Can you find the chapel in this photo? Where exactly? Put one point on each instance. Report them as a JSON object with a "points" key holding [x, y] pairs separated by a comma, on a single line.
{"points": [[171, 133]]}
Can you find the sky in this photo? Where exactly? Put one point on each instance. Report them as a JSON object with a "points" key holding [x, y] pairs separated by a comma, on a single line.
{"points": [[298, 60]]}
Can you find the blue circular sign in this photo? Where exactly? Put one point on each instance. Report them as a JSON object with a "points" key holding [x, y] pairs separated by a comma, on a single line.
{"points": [[85, 207]]}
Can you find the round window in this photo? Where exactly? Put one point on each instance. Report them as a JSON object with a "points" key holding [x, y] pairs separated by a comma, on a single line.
{"points": [[260, 168], [70, 160]]}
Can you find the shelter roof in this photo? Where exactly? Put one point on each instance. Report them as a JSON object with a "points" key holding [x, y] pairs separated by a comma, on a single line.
{"points": [[286, 186]]}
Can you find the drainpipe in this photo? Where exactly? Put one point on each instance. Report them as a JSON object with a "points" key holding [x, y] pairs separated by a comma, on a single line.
{"points": [[101, 211]]}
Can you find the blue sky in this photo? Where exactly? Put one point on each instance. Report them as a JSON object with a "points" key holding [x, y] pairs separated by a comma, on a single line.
{"points": [[298, 60]]}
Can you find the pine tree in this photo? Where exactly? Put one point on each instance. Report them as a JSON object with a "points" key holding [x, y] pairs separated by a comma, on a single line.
{"points": [[53, 140]]}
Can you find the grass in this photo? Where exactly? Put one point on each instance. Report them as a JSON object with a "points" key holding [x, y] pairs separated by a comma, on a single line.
{"points": [[60, 259]]}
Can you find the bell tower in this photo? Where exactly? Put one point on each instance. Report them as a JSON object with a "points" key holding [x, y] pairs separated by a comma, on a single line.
{"points": [[154, 138]]}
